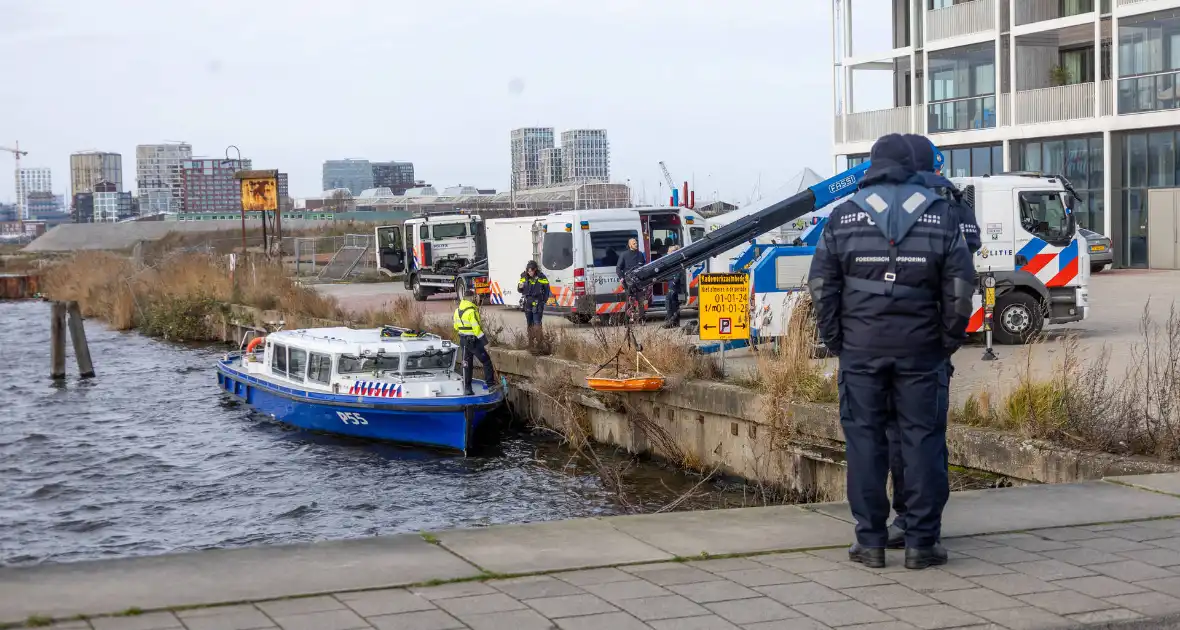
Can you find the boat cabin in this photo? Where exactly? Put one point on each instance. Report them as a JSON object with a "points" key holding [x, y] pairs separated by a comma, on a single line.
{"points": [[383, 362]]}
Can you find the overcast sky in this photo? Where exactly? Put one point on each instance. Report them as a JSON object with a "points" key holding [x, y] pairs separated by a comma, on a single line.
{"points": [[733, 92]]}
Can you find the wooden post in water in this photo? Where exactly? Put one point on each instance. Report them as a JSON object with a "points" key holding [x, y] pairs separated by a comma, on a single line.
{"points": [[57, 342], [78, 336]]}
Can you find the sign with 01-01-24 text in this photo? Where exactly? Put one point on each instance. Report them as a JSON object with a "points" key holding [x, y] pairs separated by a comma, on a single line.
{"points": [[725, 306]]}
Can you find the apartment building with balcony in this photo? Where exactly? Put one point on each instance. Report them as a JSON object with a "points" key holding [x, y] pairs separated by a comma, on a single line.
{"points": [[1083, 88]]}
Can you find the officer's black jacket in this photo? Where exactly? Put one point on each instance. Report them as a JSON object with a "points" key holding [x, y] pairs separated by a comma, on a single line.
{"points": [[932, 258], [628, 260], [532, 289]]}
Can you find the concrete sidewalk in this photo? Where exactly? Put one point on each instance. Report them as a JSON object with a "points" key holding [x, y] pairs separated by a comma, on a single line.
{"points": [[1028, 557]]}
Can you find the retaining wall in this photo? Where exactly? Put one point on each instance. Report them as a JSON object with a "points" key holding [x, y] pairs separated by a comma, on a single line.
{"points": [[799, 446]]}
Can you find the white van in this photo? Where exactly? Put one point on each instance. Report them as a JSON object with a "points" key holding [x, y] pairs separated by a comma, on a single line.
{"points": [[578, 251]]}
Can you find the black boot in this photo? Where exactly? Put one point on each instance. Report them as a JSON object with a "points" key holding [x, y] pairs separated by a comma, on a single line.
{"points": [[871, 557], [896, 537], [922, 557]]}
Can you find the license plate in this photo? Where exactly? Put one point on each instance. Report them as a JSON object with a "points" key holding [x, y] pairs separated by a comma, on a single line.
{"points": [[989, 296], [1097, 248], [480, 283]]}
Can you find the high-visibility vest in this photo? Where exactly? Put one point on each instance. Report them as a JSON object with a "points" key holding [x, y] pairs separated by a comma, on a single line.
{"points": [[467, 319]]}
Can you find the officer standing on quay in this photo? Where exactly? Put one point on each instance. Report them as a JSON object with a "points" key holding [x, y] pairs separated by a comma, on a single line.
{"points": [[892, 282], [534, 293], [970, 229], [471, 338]]}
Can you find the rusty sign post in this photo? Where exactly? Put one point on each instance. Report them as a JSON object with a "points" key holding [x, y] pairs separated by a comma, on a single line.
{"points": [[260, 193]]}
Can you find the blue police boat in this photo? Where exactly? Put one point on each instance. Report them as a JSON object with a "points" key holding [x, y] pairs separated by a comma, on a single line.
{"points": [[381, 383]]}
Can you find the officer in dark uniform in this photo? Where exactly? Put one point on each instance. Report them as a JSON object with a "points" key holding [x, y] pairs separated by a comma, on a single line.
{"points": [[534, 293], [672, 296], [629, 260], [970, 229], [892, 282]]}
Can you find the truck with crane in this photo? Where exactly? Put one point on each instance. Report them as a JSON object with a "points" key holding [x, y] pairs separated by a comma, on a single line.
{"points": [[1032, 249]]}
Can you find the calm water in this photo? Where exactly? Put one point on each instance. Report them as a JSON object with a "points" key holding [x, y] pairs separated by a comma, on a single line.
{"points": [[150, 458]]}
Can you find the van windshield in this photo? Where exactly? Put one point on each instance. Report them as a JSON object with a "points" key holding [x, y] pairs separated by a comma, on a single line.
{"points": [[1044, 215], [450, 230], [352, 364], [557, 250]]}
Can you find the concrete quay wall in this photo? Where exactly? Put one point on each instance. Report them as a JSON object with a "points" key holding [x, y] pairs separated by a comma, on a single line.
{"points": [[799, 446]]}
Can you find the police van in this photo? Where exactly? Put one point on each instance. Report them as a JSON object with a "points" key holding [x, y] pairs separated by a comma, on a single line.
{"points": [[432, 251], [1030, 245], [578, 251]]}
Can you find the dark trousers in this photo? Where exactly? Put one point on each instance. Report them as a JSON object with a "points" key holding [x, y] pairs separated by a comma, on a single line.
{"points": [[672, 308], [918, 387], [533, 313], [896, 465], [476, 348]]}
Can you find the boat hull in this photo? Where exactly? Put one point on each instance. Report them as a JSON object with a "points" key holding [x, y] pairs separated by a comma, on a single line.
{"points": [[447, 423]]}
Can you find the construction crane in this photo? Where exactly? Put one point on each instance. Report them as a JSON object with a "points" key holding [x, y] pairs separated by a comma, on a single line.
{"points": [[667, 176], [20, 198]]}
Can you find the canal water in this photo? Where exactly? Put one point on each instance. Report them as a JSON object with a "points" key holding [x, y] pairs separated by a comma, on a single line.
{"points": [[150, 458]]}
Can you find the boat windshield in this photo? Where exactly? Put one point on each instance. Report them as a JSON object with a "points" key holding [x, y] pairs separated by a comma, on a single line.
{"points": [[421, 363], [352, 364]]}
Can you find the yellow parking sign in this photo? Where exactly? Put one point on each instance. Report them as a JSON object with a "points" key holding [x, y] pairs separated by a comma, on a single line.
{"points": [[725, 306]]}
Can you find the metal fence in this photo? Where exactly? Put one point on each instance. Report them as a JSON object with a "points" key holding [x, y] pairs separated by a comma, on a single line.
{"points": [[310, 254]]}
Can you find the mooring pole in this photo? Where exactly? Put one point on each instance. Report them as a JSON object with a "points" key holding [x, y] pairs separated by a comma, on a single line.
{"points": [[57, 342], [78, 336]]}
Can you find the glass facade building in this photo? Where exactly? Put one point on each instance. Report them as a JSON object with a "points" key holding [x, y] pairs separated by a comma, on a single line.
{"points": [[355, 175], [1086, 89]]}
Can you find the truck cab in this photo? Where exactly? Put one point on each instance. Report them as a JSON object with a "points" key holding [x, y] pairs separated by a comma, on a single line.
{"points": [[431, 250], [1031, 245]]}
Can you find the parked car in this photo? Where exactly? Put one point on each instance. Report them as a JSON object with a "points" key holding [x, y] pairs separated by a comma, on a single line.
{"points": [[1101, 253]]}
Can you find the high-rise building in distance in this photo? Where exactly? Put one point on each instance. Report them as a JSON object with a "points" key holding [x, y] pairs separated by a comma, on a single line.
{"points": [[355, 175], [87, 168], [209, 184], [32, 180], [585, 156], [159, 176], [551, 168], [396, 176], [527, 144]]}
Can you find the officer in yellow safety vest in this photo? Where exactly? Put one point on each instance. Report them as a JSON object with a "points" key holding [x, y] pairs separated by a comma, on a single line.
{"points": [[471, 338]]}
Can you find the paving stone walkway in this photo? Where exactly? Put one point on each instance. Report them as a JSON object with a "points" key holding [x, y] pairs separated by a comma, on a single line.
{"points": [[1049, 578]]}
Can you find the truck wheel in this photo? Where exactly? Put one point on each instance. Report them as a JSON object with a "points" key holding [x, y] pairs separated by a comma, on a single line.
{"points": [[459, 284], [420, 292], [1018, 318], [578, 320]]}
